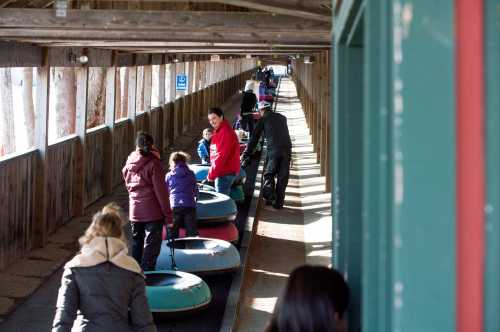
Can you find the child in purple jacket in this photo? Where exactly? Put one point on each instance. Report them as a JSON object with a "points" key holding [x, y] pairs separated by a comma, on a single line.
{"points": [[183, 190]]}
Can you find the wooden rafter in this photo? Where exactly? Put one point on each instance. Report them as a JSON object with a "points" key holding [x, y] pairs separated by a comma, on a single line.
{"points": [[162, 21], [312, 9], [79, 37], [308, 9], [168, 44], [228, 52]]}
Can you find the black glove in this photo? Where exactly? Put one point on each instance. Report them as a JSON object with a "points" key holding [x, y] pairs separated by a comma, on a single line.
{"points": [[245, 161]]}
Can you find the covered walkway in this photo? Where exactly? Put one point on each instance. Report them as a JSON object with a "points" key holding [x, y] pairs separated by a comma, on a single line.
{"points": [[42, 268]]}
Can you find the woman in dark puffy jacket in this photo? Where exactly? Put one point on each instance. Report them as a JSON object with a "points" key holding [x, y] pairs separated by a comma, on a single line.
{"points": [[102, 287], [149, 201]]}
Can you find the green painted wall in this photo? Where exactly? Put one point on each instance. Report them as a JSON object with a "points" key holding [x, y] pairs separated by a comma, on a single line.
{"points": [[394, 163], [423, 157]]}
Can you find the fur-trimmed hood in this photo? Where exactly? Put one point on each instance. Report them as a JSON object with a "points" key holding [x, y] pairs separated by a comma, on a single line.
{"points": [[105, 249]]}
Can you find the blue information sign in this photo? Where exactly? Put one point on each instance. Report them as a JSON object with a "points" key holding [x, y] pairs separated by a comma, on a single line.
{"points": [[181, 82]]}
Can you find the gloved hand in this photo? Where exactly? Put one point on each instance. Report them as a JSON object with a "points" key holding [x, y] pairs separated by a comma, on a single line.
{"points": [[245, 161]]}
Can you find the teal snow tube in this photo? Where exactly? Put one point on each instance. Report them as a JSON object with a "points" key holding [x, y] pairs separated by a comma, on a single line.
{"points": [[200, 171], [212, 206], [172, 292], [199, 255]]}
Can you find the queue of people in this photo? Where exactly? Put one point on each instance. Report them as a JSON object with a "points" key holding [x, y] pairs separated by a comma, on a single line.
{"points": [[103, 289]]}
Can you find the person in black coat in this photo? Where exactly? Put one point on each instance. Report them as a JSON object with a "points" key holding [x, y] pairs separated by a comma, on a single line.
{"points": [[274, 128], [248, 103]]}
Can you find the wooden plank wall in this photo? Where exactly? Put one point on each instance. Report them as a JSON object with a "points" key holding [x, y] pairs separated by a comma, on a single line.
{"points": [[17, 173], [313, 89], [168, 124], [141, 123], [156, 126], [60, 184], [17, 184], [94, 170]]}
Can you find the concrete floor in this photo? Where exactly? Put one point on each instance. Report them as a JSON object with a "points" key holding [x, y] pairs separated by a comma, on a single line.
{"points": [[300, 233]]}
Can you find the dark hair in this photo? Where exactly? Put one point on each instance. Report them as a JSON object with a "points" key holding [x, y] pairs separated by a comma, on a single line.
{"points": [[313, 296], [179, 156], [144, 142], [217, 111]]}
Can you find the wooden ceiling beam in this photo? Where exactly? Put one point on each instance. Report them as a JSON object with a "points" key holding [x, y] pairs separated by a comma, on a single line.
{"points": [[154, 45], [287, 7], [84, 37], [159, 21], [215, 50], [312, 9]]}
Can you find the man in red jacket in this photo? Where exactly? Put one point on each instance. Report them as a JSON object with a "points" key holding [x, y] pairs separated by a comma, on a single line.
{"points": [[224, 152]]}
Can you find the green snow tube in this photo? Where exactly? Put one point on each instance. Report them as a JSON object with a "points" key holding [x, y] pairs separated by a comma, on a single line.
{"points": [[172, 292]]}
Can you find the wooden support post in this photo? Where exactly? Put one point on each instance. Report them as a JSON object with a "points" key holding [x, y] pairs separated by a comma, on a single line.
{"points": [[177, 70], [172, 110], [211, 85], [185, 101], [191, 90], [161, 94], [41, 143], [109, 119], [199, 88], [132, 94], [317, 105], [194, 111], [161, 101], [324, 115], [147, 87], [79, 175]]}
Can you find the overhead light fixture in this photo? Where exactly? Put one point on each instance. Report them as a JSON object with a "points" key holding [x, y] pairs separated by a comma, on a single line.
{"points": [[215, 57], [77, 59], [248, 56], [175, 60]]}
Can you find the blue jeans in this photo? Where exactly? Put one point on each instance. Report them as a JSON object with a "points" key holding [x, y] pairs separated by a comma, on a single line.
{"points": [[223, 183]]}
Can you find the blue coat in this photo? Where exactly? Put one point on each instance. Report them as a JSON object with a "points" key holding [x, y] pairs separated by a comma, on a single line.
{"points": [[182, 185], [204, 151]]}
